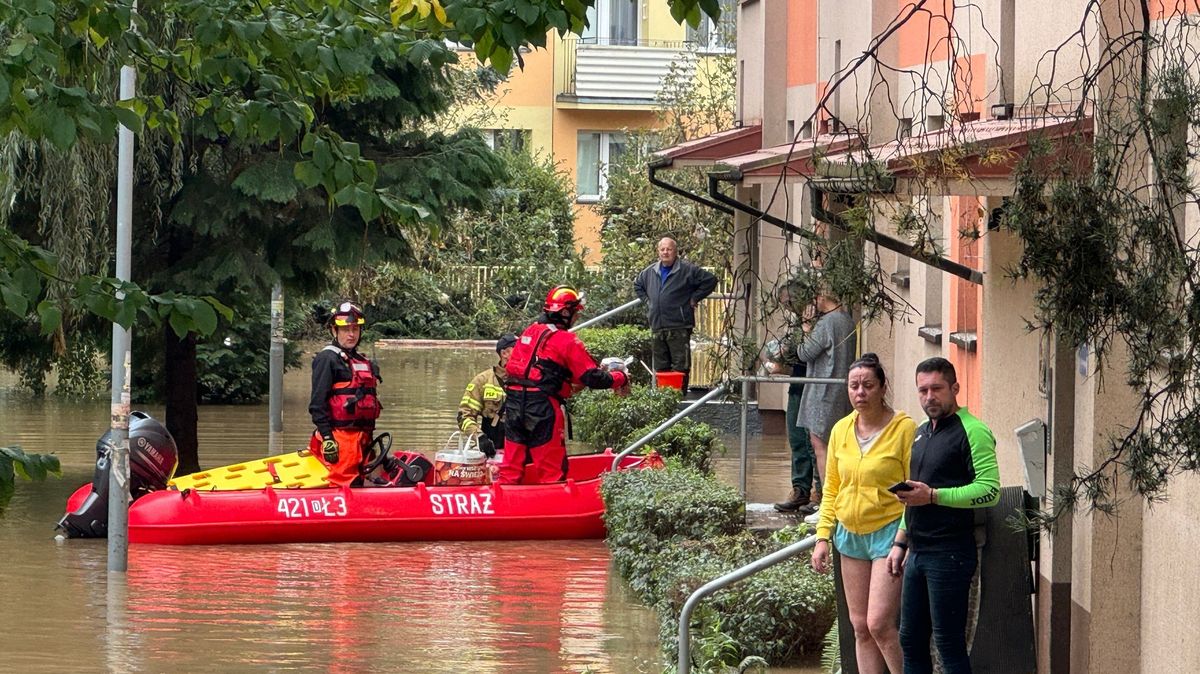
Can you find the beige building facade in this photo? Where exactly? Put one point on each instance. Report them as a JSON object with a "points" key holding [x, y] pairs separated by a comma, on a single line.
{"points": [[911, 79]]}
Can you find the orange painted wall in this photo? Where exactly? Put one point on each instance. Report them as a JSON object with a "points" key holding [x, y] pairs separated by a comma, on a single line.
{"points": [[533, 86], [567, 123], [923, 38], [1166, 8], [971, 84], [802, 42], [966, 301]]}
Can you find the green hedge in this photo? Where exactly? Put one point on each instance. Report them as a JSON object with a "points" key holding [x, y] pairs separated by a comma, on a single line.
{"points": [[673, 530], [692, 442], [602, 419], [647, 510], [621, 341]]}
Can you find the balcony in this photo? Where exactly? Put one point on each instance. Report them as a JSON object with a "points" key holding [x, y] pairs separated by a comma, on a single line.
{"points": [[616, 72]]}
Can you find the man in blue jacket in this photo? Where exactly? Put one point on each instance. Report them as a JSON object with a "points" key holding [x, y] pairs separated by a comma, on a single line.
{"points": [[671, 289]]}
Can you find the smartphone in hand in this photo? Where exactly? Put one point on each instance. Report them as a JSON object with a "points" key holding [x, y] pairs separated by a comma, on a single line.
{"points": [[899, 487]]}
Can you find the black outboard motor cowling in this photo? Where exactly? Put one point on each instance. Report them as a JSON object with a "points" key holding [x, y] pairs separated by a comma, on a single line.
{"points": [[153, 458]]}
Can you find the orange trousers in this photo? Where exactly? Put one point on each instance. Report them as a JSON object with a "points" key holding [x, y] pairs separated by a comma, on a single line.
{"points": [[351, 443]]}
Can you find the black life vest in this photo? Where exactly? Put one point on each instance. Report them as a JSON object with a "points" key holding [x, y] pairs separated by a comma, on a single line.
{"points": [[354, 403]]}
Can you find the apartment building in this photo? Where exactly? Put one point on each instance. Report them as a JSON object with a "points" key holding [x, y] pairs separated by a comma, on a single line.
{"points": [[827, 86], [574, 99]]}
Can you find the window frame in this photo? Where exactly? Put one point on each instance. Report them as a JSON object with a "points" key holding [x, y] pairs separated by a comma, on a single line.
{"points": [[603, 159]]}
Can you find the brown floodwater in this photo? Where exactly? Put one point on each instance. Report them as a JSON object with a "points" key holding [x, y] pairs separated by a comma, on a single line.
{"points": [[556, 606]]}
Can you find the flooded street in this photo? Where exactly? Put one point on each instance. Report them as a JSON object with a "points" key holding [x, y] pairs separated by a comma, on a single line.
{"points": [[428, 607]]}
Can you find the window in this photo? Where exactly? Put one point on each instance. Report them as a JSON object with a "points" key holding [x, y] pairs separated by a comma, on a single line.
{"points": [[612, 22], [595, 151], [514, 140], [718, 36]]}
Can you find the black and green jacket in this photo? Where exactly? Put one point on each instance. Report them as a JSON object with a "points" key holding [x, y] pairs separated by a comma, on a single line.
{"points": [[958, 458]]}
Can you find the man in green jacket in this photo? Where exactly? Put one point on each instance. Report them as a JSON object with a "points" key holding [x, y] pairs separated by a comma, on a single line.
{"points": [[952, 471]]}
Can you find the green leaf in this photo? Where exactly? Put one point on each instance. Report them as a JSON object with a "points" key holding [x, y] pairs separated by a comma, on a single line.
{"points": [[40, 25], [16, 302], [128, 118], [501, 59], [50, 316], [204, 318], [61, 130]]}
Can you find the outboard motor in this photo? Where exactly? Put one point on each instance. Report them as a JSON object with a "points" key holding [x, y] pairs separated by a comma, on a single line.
{"points": [[153, 458]]}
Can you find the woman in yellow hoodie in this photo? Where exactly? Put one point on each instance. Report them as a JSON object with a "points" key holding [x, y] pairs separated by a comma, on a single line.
{"points": [[868, 452]]}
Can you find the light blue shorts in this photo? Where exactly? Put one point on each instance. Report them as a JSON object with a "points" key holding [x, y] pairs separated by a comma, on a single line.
{"points": [[869, 547]]}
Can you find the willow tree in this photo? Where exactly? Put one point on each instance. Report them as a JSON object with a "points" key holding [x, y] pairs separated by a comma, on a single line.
{"points": [[278, 138]]}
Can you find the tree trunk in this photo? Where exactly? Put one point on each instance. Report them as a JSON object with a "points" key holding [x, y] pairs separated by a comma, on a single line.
{"points": [[179, 366]]}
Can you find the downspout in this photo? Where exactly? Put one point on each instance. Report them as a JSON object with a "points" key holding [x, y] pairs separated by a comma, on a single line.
{"points": [[962, 271], [822, 215], [658, 163]]}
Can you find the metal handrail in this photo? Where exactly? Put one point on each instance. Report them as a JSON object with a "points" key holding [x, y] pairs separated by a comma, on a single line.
{"points": [[641, 442], [611, 312], [743, 441], [685, 616]]}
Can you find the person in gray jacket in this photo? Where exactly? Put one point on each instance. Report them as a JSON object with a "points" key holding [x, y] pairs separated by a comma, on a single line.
{"points": [[828, 350], [671, 289]]}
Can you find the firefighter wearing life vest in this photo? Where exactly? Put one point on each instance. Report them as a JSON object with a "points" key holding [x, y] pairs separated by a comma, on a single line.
{"points": [[344, 404], [481, 410], [546, 362]]}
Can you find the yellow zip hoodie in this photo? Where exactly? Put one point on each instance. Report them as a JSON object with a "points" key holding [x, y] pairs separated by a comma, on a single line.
{"points": [[855, 489]]}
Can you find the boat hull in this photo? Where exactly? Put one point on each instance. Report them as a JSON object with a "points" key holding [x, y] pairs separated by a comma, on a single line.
{"points": [[567, 510]]}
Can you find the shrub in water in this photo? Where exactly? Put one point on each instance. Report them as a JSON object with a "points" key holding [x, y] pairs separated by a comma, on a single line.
{"points": [[646, 510], [621, 341], [602, 419], [691, 442]]}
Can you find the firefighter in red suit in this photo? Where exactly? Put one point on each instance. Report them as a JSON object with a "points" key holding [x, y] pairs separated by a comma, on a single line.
{"points": [[545, 363], [344, 404]]}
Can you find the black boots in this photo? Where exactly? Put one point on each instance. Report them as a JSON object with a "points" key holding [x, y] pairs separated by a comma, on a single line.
{"points": [[794, 502]]}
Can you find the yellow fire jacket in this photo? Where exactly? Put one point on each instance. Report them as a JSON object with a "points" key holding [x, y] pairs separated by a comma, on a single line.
{"points": [[482, 401]]}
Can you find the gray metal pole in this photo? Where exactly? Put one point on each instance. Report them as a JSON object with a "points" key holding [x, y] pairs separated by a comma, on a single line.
{"points": [[275, 407], [685, 616], [118, 484], [743, 442], [611, 312]]}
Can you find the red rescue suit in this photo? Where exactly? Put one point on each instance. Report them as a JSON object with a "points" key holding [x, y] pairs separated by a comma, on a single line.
{"points": [[546, 361], [344, 406]]}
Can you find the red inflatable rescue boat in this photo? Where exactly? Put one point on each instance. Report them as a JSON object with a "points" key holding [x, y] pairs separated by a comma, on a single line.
{"points": [[571, 509]]}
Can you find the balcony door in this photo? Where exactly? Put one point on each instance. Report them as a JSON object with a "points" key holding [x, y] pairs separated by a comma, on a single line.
{"points": [[612, 22]]}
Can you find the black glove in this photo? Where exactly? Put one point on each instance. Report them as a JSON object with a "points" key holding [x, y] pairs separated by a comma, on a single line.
{"points": [[330, 449], [487, 446]]}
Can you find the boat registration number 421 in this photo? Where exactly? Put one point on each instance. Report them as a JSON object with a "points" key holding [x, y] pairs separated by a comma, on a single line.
{"points": [[292, 507]]}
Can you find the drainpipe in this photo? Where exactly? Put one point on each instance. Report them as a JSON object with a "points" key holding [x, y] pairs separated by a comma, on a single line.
{"points": [[962, 271], [658, 163], [822, 215]]}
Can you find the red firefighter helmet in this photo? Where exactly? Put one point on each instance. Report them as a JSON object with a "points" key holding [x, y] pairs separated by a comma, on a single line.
{"points": [[563, 297], [346, 313]]}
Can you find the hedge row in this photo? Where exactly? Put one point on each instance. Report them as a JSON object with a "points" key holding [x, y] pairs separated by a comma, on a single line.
{"points": [[673, 530]]}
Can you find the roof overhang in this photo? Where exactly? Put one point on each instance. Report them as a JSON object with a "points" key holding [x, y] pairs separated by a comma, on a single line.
{"points": [[973, 158], [710, 149], [791, 161]]}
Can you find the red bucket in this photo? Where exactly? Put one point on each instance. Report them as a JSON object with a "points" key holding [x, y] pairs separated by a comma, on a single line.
{"points": [[669, 379]]}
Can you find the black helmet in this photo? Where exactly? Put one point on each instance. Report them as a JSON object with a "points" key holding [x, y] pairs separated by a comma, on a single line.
{"points": [[506, 342]]}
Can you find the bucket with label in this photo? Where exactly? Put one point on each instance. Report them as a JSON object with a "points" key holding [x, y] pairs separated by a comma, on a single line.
{"points": [[461, 467]]}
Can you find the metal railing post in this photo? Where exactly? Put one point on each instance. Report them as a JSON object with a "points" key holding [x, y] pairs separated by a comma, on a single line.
{"points": [[743, 438], [743, 442], [667, 424], [685, 616]]}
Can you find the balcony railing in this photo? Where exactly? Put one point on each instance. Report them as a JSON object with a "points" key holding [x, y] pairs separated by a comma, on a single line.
{"points": [[617, 69]]}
